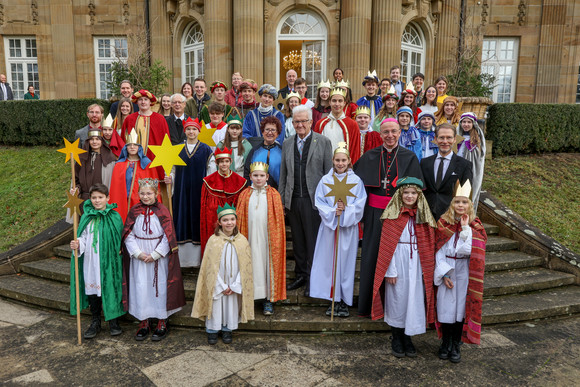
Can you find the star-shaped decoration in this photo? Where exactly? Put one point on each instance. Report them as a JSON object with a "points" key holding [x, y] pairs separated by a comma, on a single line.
{"points": [[206, 135], [72, 148], [458, 140], [74, 202], [340, 189], [166, 155]]}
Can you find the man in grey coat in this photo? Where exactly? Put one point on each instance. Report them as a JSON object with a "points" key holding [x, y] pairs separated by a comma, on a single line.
{"points": [[95, 114], [306, 157]]}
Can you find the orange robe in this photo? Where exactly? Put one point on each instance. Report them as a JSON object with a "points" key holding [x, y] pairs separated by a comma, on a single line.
{"points": [[276, 237]]}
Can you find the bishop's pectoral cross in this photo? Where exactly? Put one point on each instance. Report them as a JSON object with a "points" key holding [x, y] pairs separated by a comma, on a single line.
{"points": [[385, 181]]}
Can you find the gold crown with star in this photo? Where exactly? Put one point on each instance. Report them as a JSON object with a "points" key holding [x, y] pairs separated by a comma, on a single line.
{"points": [[259, 166], [342, 148], [338, 91]]}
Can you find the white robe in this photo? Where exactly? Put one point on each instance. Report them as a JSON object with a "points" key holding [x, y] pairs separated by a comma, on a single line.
{"points": [[91, 261], [226, 309], [218, 135], [322, 264], [143, 301], [451, 302], [405, 301], [258, 238], [333, 131]]}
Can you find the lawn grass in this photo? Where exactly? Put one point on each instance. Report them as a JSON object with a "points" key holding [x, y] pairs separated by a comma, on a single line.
{"points": [[33, 184], [541, 188]]}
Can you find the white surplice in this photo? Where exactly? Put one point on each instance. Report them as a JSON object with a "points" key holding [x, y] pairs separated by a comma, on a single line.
{"points": [[91, 260], [333, 131], [258, 238], [226, 309], [143, 301], [405, 301], [451, 302], [323, 261]]}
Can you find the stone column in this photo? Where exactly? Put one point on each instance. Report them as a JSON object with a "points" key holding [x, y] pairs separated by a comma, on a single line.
{"points": [[218, 40], [63, 49], [447, 40], [386, 36], [355, 42], [249, 39], [161, 41]]}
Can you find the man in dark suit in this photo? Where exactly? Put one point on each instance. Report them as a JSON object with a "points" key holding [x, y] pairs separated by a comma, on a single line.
{"points": [[175, 120], [291, 77], [442, 170], [306, 157], [95, 116], [126, 89], [5, 89]]}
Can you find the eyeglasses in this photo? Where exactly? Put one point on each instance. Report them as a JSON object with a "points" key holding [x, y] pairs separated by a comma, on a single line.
{"points": [[270, 130], [177, 102], [301, 122]]}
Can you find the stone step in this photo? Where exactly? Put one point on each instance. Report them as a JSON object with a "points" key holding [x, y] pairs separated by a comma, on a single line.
{"points": [[524, 280], [56, 269], [35, 291], [498, 243], [560, 301], [509, 260]]}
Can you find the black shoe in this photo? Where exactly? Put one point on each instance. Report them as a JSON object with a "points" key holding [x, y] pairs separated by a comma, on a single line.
{"points": [[93, 329], [160, 332], [397, 343], [410, 350], [227, 337], [114, 327], [455, 354], [212, 338], [307, 290], [342, 310], [445, 347], [143, 331], [329, 310], [298, 283]]}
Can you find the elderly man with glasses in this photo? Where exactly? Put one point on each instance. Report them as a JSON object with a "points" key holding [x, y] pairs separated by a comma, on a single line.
{"points": [[176, 119]]}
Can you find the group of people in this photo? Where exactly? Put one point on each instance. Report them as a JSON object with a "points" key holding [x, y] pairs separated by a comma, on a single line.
{"points": [[406, 169]]}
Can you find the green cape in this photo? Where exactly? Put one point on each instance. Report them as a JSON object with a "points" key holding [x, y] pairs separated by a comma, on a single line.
{"points": [[110, 228]]}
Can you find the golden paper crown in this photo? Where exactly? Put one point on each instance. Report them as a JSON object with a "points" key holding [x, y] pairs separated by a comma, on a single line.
{"points": [[259, 166], [363, 110], [149, 183], [227, 209], [338, 91], [324, 84], [132, 138], [463, 190], [108, 122], [342, 83], [342, 148], [293, 94], [95, 132], [392, 90]]}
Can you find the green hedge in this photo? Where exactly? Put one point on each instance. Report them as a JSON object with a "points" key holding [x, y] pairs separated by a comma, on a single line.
{"points": [[43, 122], [533, 128]]}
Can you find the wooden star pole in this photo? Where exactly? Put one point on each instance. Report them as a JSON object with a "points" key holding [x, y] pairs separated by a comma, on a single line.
{"points": [[340, 189], [72, 152]]}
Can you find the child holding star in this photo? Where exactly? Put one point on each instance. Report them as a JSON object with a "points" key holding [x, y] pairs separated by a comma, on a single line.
{"points": [[261, 220], [331, 209]]}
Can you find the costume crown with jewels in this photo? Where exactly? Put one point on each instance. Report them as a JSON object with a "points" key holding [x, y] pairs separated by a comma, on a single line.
{"points": [[342, 148], [324, 84], [132, 138], [108, 122], [95, 132], [363, 110], [259, 166], [222, 153], [342, 83], [149, 182], [293, 94], [463, 190], [338, 91], [226, 210]]}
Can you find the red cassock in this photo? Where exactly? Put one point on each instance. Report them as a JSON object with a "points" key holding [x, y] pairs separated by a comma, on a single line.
{"points": [[217, 190], [350, 132], [157, 130]]}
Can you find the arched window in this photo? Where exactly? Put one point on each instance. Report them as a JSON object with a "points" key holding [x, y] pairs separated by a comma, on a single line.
{"points": [[412, 52], [192, 53], [302, 47]]}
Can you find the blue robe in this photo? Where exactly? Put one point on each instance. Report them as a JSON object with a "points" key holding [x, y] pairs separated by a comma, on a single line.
{"points": [[187, 192], [252, 122], [374, 103], [411, 139], [427, 144]]}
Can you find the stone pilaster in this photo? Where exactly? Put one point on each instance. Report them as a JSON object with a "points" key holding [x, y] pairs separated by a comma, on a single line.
{"points": [[63, 49], [249, 39], [161, 42], [447, 40], [355, 42], [386, 34], [218, 40]]}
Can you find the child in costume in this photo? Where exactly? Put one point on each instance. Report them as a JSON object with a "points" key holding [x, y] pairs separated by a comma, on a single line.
{"points": [[224, 293], [131, 167], [459, 268], [405, 267], [388, 110], [219, 188], [100, 265], [237, 143], [473, 149], [426, 128], [261, 220], [187, 182], [152, 283], [111, 137], [350, 214], [410, 137]]}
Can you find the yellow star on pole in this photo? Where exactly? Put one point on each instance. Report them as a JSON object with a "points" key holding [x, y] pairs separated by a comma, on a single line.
{"points": [[72, 148], [340, 189], [74, 202], [166, 155], [206, 135]]}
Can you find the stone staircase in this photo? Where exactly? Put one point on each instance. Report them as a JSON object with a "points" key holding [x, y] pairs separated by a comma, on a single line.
{"points": [[517, 288]]}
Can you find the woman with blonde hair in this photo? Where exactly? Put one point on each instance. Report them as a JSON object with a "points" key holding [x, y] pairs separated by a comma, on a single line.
{"points": [[449, 112]]}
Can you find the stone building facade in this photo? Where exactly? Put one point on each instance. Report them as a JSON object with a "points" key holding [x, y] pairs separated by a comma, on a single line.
{"points": [[65, 47]]}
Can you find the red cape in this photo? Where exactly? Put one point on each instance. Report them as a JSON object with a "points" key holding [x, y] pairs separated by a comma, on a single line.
{"points": [[372, 140], [157, 131], [350, 131]]}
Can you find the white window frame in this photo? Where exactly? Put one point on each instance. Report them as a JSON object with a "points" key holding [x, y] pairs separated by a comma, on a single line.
{"points": [[25, 60], [194, 48], [494, 61], [407, 70], [118, 49], [306, 38]]}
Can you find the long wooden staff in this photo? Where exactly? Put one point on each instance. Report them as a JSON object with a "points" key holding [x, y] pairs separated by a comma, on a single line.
{"points": [[334, 264]]}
